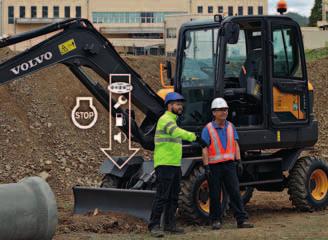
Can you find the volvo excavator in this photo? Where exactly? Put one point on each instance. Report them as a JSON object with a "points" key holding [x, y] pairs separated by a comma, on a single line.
{"points": [[257, 63]]}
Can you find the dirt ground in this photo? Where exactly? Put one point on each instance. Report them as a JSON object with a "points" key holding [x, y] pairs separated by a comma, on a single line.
{"points": [[272, 213], [37, 137]]}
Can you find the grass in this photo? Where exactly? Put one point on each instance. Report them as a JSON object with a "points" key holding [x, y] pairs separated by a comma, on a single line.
{"points": [[316, 54]]}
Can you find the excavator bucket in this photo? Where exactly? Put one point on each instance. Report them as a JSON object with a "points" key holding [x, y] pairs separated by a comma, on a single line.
{"points": [[137, 203]]}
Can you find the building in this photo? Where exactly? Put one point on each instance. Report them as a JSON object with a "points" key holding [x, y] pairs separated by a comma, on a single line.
{"points": [[1, 32], [133, 26], [314, 38], [229, 7], [25, 15], [206, 9]]}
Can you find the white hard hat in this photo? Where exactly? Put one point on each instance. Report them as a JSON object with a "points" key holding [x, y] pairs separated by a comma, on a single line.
{"points": [[219, 103]]}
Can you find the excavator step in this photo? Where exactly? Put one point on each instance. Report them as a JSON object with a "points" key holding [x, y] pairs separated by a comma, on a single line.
{"points": [[137, 203]]}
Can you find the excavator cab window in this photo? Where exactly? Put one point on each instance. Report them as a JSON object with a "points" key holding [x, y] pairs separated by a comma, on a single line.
{"points": [[286, 62], [199, 55], [289, 91], [243, 75]]}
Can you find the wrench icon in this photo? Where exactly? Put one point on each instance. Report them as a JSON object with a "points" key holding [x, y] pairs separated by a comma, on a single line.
{"points": [[121, 101]]}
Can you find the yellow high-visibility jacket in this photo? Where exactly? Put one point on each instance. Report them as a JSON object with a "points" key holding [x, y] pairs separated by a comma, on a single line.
{"points": [[168, 141]]}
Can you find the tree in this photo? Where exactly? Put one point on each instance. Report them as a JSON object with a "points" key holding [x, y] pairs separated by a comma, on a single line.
{"points": [[316, 13]]}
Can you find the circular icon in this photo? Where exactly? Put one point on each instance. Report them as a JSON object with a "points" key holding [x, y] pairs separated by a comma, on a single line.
{"points": [[85, 115], [120, 87]]}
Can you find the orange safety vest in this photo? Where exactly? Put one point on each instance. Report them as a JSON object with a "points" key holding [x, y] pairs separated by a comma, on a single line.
{"points": [[216, 152]]}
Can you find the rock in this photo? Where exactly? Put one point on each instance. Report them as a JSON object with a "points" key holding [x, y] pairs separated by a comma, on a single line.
{"points": [[36, 125], [44, 175], [63, 161], [8, 167], [69, 153], [49, 125], [48, 162], [67, 170]]}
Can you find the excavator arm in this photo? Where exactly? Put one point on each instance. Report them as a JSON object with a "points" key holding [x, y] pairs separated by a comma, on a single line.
{"points": [[78, 44]]}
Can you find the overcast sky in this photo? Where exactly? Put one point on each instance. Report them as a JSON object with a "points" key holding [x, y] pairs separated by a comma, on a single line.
{"points": [[302, 7]]}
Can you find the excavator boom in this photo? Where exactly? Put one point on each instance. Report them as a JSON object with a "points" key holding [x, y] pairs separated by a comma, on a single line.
{"points": [[78, 44]]}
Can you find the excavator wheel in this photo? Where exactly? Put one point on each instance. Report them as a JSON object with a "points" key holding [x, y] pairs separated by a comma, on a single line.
{"points": [[246, 194], [194, 197], [308, 184]]}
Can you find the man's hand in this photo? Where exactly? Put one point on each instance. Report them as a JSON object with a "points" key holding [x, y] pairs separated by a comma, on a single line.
{"points": [[207, 171], [201, 142], [239, 168]]}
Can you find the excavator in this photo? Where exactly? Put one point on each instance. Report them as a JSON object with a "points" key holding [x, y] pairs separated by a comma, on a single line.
{"points": [[257, 63]]}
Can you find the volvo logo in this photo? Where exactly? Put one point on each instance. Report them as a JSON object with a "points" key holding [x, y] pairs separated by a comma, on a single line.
{"points": [[31, 63]]}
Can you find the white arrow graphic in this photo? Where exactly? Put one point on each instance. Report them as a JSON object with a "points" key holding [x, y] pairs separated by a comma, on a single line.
{"points": [[106, 150]]}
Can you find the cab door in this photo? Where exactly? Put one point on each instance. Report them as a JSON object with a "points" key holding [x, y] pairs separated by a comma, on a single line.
{"points": [[289, 84], [196, 75]]}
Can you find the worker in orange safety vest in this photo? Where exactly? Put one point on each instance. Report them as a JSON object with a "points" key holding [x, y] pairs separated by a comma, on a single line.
{"points": [[221, 159]]}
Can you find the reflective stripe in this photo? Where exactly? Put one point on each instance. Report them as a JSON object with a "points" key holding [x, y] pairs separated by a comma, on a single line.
{"points": [[168, 125], [173, 140], [212, 134], [160, 132], [172, 130], [230, 136], [220, 157]]}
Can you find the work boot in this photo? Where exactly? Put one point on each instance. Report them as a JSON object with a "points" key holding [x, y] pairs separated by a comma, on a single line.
{"points": [[156, 232], [216, 225], [173, 229], [245, 225]]}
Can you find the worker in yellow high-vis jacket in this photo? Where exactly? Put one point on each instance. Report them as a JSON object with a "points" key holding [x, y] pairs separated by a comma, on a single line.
{"points": [[167, 162]]}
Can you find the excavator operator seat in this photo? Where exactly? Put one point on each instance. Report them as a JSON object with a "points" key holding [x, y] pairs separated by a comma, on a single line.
{"points": [[251, 74]]}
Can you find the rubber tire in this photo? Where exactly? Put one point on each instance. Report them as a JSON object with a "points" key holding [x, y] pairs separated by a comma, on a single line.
{"points": [[109, 181], [246, 197], [188, 207], [298, 183]]}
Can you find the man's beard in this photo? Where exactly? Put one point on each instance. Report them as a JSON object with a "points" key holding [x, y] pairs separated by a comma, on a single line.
{"points": [[177, 112]]}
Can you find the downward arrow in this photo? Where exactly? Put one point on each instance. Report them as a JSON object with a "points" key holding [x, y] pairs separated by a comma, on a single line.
{"points": [[107, 150]]}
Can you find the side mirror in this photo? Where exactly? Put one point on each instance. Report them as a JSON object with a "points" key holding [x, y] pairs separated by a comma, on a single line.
{"points": [[168, 68], [231, 32]]}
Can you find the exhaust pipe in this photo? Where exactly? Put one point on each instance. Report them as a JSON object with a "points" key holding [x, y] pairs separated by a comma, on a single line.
{"points": [[28, 210]]}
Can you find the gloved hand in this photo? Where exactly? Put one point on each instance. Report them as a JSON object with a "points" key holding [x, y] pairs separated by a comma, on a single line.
{"points": [[200, 141], [239, 168], [207, 171]]}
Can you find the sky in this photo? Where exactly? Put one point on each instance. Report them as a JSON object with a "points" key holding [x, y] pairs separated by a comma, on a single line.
{"points": [[302, 7]]}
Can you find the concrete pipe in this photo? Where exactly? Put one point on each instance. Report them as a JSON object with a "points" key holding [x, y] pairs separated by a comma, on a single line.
{"points": [[28, 210]]}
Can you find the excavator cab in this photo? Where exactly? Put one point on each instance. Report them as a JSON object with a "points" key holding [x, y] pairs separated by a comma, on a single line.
{"points": [[257, 64]]}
